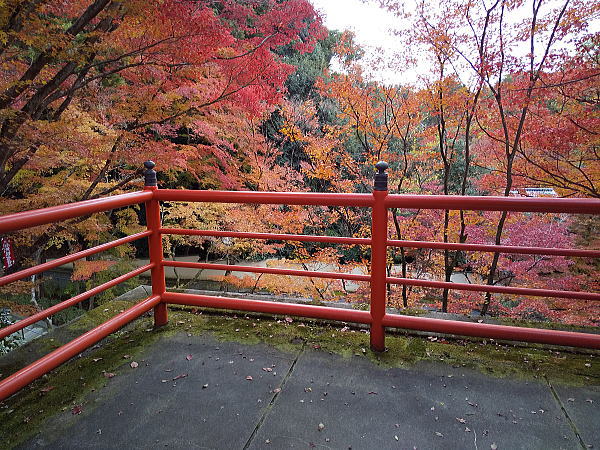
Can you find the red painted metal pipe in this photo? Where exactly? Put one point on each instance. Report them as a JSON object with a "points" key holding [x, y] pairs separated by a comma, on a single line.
{"points": [[69, 258], [549, 251], [155, 248], [270, 236], [70, 302], [28, 219], [496, 289], [23, 377], [293, 272], [484, 330], [493, 203], [379, 229], [268, 198], [290, 309]]}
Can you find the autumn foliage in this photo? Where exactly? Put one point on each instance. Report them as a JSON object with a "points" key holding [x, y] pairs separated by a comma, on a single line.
{"points": [[242, 95]]}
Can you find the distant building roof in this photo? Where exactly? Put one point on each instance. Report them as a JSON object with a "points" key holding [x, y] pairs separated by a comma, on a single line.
{"points": [[540, 192], [533, 192]]}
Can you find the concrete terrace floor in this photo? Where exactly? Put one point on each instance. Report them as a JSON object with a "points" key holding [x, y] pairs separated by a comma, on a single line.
{"points": [[205, 390]]}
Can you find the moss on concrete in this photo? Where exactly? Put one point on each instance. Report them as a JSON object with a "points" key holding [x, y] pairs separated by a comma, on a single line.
{"points": [[67, 386], [490, 357], [70, 384]]}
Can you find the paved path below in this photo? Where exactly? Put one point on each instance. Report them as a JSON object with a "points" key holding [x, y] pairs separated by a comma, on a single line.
{"points": [[313, 399]]}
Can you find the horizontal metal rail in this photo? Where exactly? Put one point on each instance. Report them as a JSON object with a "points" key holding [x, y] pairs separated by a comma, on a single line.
{"points": [[45, 364], [70, 258], [269, 236], [292, 309], [28, 219], [71, 302], [548, 251], [489, 203], [489, 331], [455, 327], [268, 198], [575, 295], [251, 269]]}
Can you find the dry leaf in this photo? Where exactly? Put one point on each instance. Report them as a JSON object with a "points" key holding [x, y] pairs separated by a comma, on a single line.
{"points": [[249, 378], [134, 365], [189, 357], [183, 375]]}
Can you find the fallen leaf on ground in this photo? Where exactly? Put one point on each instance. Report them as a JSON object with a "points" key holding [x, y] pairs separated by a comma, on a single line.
{"points": [[249, 378], [189, 357], [437, 433], [76, 410], [134, 365], [321, 427], [183, 375], [461, 420], [108, 374], [46, 389]]}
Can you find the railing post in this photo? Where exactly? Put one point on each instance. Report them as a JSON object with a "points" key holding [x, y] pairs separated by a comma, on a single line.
{"points": [[155, 246], [379, 227]]}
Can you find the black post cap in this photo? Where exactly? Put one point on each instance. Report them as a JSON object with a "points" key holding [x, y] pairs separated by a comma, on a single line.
{"points": [[381, 178], [150, 174]]}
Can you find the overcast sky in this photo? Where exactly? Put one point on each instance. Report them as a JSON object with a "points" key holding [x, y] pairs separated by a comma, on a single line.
{"points": [[371, 26]]}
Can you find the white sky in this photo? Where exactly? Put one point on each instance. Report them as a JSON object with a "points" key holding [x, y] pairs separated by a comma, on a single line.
{"points": [[371, 25]]}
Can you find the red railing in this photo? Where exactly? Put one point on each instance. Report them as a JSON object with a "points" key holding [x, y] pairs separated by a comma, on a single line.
{"points": [[377, 318]]}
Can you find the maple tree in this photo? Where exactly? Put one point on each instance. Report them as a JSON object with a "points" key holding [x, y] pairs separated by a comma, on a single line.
{"points": [[520, 90], [90, 89]]}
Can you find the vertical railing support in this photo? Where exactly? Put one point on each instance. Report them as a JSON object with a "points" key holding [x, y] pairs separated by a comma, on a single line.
{"points": [[379, 227], [155, 245]]}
